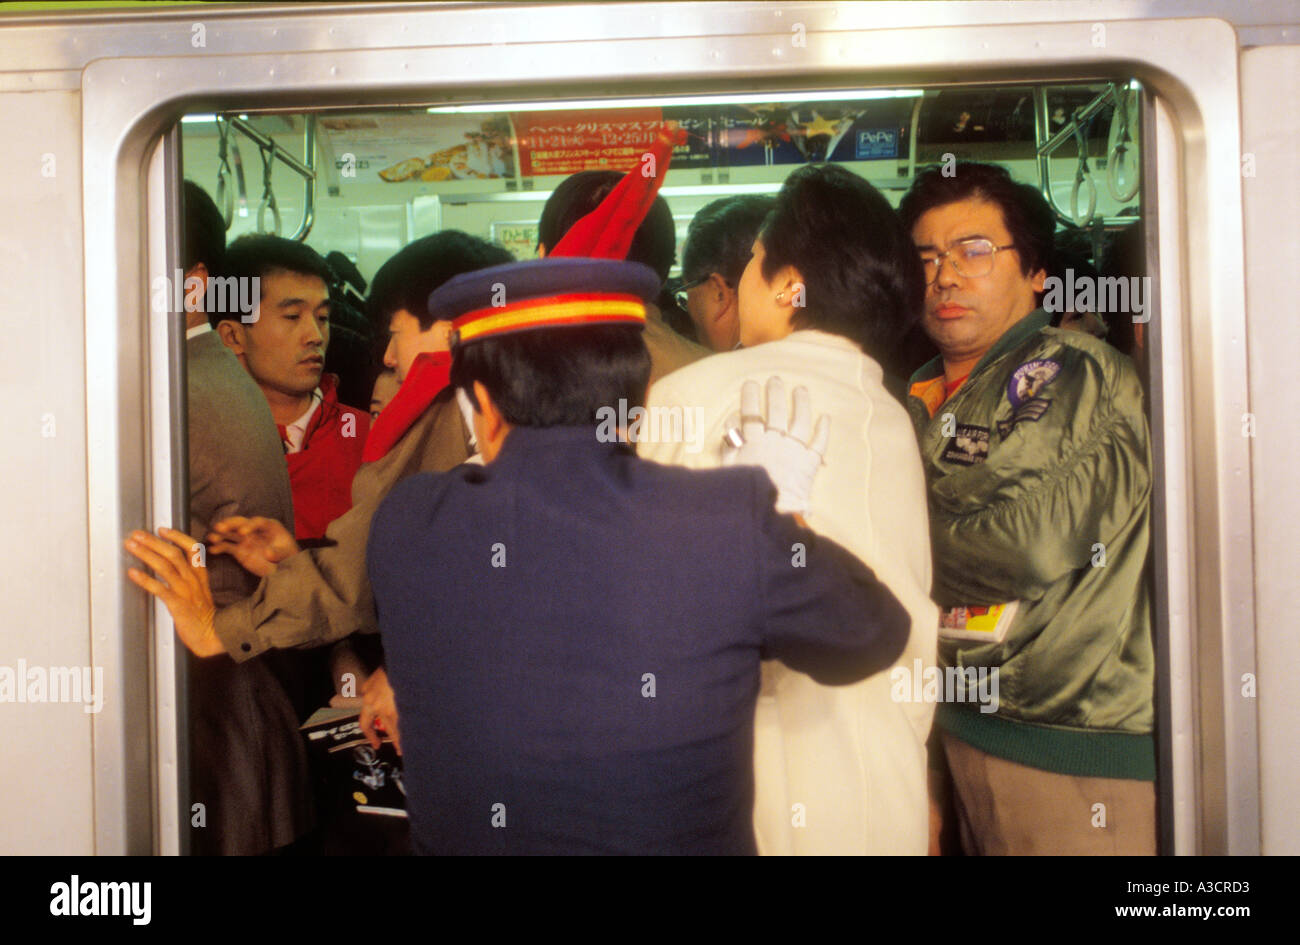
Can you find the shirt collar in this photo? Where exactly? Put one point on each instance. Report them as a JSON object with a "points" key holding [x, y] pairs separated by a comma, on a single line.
{"points": [[296, 432], [197, 330]]}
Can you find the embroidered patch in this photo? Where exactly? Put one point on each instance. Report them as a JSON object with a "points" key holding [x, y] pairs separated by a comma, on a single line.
{"points": [[1028, 381], [968, 446], [1031, 409]]}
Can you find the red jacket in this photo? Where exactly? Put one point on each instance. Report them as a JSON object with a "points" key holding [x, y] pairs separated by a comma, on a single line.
{"points": [[320, 474]]}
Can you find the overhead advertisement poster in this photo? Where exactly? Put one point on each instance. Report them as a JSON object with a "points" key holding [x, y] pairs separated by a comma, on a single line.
{"points": [[808, 132], [402, 147], [566, 142]]}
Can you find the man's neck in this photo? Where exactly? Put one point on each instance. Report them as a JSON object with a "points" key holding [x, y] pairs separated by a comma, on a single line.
{"points": [[195, 319], [960, 366], [954, 371], [286, 408]]}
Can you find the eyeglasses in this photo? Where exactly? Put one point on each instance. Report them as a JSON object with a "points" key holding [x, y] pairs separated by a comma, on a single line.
{"points": [[680, 296], [971, 259]]}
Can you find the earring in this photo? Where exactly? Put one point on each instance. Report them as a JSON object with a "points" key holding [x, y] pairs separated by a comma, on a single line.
{"points": [[780, 296]]}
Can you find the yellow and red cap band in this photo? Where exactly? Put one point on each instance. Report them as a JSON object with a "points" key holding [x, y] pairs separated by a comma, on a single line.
{"points": [[556, 311]]}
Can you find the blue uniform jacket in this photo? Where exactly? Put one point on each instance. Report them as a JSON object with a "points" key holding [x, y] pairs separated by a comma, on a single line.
{"points": [[574, 634]]}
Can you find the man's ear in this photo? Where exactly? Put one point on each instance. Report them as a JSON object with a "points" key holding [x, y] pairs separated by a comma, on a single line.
{"points": [[442, 334], [490, 425], [232, 335], [487, 408], [719, 289], [726, 296], [1038, 280]]}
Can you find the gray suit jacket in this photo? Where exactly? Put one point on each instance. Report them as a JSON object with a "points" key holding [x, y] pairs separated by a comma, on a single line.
{"points": [[237, 464], [248, 762]]}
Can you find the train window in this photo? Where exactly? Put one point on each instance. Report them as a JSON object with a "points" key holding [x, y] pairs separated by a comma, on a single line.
{"points": [[358, 185], [365, 183]]}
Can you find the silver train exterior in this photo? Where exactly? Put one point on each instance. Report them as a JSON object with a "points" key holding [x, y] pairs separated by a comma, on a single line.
{"points": [[93, 444]]}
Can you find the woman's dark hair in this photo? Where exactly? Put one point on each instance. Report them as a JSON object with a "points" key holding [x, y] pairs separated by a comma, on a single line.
{"points": [[655, 242], [722, 235], [411, 275], [556, 376], [862, 275], [1025, 212]]}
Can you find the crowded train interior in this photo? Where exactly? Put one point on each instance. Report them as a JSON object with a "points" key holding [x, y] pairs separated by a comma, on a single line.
{"points": [[359, 185]]}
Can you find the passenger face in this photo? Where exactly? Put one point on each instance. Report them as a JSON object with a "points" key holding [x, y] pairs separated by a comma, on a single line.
{"points": [[966, 316], [764, 317], [386, 385], [284, 349], [406, 341]]}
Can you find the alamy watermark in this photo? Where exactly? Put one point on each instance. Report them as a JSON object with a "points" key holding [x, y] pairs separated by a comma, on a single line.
{"points": [[657, 424], [80, 898], [1126, 295], [975, 684], [224, 294], [72, 684]]}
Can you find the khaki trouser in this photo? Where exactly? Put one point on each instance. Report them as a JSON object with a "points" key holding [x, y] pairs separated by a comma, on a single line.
{"points": [[1008, 808]]}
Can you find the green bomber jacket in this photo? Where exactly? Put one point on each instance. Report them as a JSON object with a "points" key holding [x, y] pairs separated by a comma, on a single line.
{"points": [[1039, 482]]}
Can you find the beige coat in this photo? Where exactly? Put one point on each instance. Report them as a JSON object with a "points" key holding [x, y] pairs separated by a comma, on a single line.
{"points": [[838, 769], [323, 594], [668, 350]]}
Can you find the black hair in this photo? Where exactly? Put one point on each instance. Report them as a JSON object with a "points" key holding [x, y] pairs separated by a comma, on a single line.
{"points": [[408, 278], [655, 242], [345, 271], [1025, 211], [205, 232], [259, 255], [556, 376], [349, 354], [862, 275], [1066, 258], [721, 236]]}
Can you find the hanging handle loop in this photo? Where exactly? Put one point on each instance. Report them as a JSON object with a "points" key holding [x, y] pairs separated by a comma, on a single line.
{"points": [[1115, 163], [268, 195], [225, 195], [1082, 176]]}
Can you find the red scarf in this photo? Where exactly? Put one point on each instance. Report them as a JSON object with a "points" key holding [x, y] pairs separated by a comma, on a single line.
{"points": [[607, 232], [430, 373]]}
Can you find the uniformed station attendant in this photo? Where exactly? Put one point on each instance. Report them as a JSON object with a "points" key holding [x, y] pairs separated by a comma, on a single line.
{"points": [[574, 634]]}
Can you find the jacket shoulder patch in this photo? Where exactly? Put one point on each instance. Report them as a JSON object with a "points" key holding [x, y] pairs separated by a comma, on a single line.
{"points": [[1028, 380]]}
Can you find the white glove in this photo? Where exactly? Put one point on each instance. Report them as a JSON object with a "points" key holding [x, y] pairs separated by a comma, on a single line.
{"points": [[790, 453]]}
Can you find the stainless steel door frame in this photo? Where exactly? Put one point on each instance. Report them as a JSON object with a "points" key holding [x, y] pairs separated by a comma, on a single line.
{"points": [[1190, 66]]}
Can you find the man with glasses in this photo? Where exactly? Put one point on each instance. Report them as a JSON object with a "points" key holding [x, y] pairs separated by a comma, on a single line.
{"points": [[715, 254], [1035, 448]]}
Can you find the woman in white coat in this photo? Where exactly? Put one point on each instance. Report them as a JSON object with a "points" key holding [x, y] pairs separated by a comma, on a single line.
{"points": [[834, 284]]}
